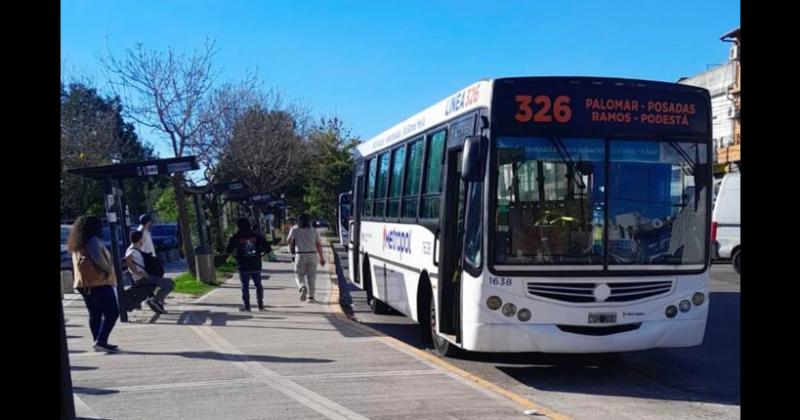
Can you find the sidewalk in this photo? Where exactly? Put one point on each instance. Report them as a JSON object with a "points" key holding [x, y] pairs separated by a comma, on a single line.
{"points": [[298, 360]]}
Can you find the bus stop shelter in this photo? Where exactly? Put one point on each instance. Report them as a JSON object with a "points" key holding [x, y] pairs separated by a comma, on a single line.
{"points": [[111, 178]]}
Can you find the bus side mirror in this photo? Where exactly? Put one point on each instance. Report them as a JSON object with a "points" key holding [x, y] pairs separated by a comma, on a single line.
{"points": [[473, 160]]}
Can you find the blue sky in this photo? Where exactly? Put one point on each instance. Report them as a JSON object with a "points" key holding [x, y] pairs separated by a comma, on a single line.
{"points": [[374, 63]]}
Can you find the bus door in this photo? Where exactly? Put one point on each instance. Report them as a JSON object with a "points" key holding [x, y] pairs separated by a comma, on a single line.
{"points": [[354, 228], [343, 222], [451, 228]]}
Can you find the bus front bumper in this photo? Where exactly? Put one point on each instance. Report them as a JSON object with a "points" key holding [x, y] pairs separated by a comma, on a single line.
{"points": [[548, 338]]}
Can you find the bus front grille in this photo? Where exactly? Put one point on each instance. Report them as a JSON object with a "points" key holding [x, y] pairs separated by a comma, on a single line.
{"points": [[585, 292]]}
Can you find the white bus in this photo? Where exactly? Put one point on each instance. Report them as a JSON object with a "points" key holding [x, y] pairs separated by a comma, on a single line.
{"points": [[543, 214]]}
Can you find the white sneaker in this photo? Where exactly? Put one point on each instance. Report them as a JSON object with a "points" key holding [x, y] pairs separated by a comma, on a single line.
{"points": [[104, 348], [303, 292]]}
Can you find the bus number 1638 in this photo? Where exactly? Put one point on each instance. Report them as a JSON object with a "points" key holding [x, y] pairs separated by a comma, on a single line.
{"points": [[500, 281]]}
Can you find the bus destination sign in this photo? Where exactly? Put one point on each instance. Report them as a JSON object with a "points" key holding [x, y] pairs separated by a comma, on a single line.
{"points": [[554, 106]]}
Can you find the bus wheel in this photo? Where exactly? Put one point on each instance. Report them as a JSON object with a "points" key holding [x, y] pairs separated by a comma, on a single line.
{"points": [[736, 259], [442, 347]]}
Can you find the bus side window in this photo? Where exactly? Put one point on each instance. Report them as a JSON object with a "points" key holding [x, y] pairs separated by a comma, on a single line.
{"points": [[396, 181], [411, 197], [369, 191], [380, 187], [433, 177]]}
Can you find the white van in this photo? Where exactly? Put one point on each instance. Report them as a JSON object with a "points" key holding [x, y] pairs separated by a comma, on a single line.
{"points": [[726, 221]]}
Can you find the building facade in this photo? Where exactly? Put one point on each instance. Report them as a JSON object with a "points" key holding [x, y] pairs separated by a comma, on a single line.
{"points": [[724, 85]]}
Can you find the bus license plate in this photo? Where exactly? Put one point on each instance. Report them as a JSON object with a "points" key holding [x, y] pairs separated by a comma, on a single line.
{"points": [[602, 317]]}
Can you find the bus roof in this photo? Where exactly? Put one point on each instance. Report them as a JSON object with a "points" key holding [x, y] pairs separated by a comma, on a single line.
{"points": [[478, 95], [474, 96]]}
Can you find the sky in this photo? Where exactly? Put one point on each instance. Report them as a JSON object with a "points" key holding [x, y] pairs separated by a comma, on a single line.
{"points": [[375, 63]]}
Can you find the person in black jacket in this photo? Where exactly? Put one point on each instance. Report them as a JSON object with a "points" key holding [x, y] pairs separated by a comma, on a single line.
{"points": [[248, 247]]}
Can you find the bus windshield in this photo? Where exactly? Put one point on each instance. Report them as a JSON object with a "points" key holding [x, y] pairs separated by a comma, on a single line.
{"points": [[558, 198]]}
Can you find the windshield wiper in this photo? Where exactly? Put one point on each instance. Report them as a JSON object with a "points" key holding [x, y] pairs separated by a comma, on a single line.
{"points": [[567, 159], [692, 171], [686, 158]]}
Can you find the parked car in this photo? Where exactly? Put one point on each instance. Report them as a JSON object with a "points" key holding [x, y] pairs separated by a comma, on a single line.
{"points": [[321, 223], [66, 258], [726, 221], [165, 236]]}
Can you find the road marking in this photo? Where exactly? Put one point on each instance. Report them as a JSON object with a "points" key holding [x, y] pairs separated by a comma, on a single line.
{"points": [[431, 359], [291, 389], [82, 410], [219, 382]]}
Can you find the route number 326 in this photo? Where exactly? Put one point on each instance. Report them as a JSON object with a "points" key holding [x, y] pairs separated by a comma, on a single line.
{"points": [[547, 110]]}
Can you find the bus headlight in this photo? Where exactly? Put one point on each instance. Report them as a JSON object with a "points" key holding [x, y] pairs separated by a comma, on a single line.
{"points": [[685, 305], [671, 311], [524, 315], [509, 309], [494, 303], [698, 299]]}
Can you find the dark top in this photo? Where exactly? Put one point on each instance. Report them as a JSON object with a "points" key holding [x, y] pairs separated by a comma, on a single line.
{"points": [[247, 248]]}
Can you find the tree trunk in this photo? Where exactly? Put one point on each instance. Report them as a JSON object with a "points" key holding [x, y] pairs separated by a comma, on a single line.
{"points": [[183, 222], [216, 226]]}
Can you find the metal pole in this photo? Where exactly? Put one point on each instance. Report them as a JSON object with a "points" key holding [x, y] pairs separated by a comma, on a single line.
{"points": [[112, 227], [124, 219], [198, 212]]}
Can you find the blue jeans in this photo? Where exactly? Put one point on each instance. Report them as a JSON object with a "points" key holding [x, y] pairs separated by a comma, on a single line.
{"points": [[101, 302], [245, 277]]}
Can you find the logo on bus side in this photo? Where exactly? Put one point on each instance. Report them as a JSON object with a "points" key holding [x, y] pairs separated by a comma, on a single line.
{"points": [[396, 240], [462, 99]]}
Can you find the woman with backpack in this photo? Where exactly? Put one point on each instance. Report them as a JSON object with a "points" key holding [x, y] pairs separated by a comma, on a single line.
{"points": [[95, 279]]}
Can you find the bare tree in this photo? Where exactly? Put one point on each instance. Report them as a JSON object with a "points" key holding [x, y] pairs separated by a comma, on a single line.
{"points": [[266, 149], [169, 93], [225, 107]]}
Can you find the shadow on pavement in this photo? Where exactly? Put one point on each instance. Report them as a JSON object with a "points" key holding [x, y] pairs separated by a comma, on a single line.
{"points": [[93, 391], [212, 355], [83, 367]]}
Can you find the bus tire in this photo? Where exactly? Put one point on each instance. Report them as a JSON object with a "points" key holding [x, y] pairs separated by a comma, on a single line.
{"points": [[423, 310], [736, 260], [441, 346]]}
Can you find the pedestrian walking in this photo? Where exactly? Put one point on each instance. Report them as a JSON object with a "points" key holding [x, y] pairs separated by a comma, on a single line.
{"points": [[304, 243], [95, 279], [248, 247], [145, 222]]}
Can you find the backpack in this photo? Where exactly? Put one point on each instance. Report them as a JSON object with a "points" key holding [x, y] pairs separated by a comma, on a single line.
{"points": [[152, 265], [91, 274]]}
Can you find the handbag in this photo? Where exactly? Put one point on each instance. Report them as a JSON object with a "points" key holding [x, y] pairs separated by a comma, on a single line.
{"points": [[91, 274]]}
